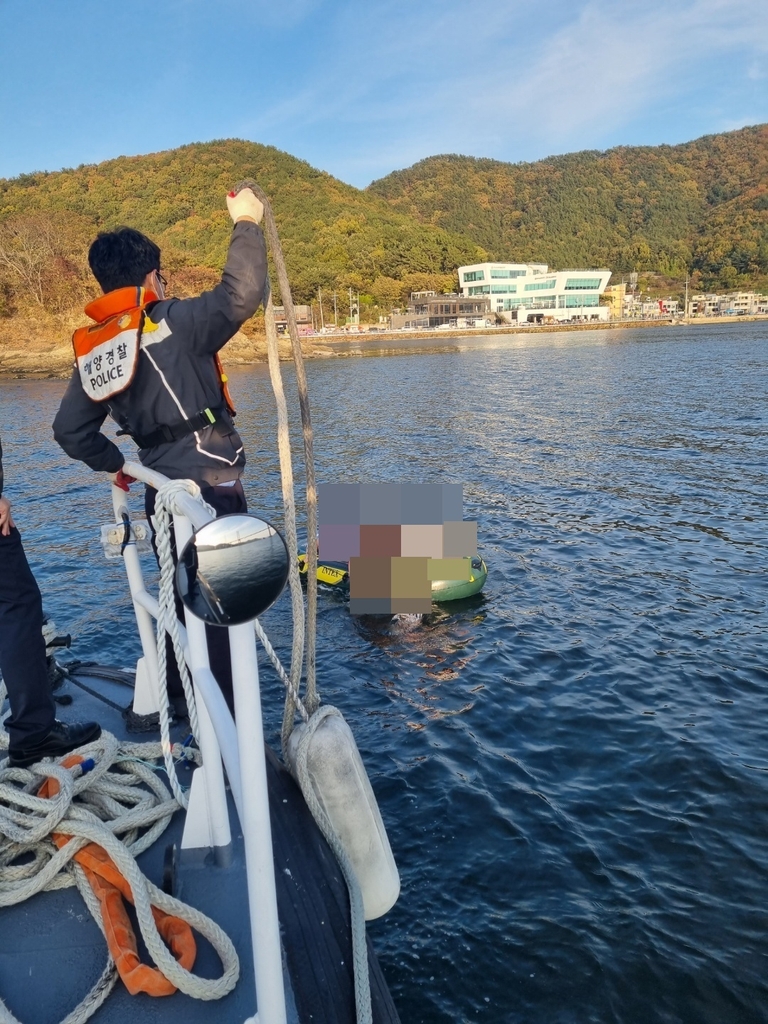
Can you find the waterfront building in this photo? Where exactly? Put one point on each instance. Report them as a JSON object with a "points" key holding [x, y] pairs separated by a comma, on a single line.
{"points": [[430, 309], [704, 305], [303, 316], [733, 303], [531, 292], [616, 294]]}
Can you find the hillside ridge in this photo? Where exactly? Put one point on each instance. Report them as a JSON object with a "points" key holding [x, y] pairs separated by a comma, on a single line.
{"points": [[699, 207]]}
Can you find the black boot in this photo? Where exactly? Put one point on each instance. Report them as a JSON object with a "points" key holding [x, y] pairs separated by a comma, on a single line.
{"points": [[62, 738]]}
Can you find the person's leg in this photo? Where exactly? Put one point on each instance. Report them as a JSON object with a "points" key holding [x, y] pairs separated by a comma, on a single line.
{"points": [[22, 648], [226, 501]]}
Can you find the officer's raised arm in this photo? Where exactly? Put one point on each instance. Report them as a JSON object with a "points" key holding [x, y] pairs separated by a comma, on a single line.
{"points": [[209, 320], [151, 363]]}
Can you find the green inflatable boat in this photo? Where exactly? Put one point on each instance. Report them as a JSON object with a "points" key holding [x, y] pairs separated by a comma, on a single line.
{"points": [[336, 575]]}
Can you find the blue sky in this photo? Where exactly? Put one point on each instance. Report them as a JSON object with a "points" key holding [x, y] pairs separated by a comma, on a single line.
{"points": [[361, 89]]}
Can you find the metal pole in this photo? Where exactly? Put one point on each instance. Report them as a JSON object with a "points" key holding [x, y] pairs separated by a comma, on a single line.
{"points": [[147, 610], [320, 300], [257, 833], [213, 774], [335, 312], [136, 586]]}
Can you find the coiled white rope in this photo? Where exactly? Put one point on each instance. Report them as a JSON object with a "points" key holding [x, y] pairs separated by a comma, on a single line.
{"points": [[167, 622], [122, 806]]}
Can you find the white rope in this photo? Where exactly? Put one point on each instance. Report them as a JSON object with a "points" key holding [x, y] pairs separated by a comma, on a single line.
{"points": [[123, 806], [289, 507], [293, 694], [310, 708], [167, 622]]}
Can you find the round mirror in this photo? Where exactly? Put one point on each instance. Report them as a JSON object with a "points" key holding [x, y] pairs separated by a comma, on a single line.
{"points": [[232, 570]]}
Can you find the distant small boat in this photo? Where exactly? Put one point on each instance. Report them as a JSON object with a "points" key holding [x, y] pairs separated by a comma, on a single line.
{"points": [[336, 576]]}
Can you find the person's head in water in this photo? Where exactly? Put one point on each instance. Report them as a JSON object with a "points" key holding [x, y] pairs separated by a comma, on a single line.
{"points": [[126, 258]]}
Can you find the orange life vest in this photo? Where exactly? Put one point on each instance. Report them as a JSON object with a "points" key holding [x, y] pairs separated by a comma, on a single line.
{"points": [[107, 353], [223, 380]]}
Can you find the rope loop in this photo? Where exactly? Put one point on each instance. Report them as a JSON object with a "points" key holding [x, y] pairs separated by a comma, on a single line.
{"points": [[121, 805], [167, 621]]}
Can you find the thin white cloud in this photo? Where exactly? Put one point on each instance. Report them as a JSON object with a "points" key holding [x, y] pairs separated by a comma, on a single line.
{"points": [[361, 89], [501, 79], [596, 72]]}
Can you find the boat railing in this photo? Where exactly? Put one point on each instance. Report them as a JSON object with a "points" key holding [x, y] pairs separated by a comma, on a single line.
{"points": [[237, 742]]}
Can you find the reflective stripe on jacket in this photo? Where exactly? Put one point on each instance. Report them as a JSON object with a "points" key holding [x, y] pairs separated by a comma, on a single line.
{"points": [[176, 377]]}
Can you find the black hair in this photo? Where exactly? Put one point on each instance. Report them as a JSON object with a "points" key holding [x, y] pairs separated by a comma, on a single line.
{"points": [[122, 258]]}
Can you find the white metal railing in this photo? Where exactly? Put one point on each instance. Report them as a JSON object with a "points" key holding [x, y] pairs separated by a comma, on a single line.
{"points": [[239, 745]]}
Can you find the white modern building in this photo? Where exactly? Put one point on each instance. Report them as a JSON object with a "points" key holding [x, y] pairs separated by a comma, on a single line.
{"points": [[532, 292], [723, 305]]}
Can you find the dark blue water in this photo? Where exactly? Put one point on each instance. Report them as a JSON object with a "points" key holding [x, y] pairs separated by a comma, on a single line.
{"points": [[572, 767]]}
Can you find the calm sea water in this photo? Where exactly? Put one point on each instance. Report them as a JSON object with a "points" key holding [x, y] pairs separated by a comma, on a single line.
{"points": [[573, 766]]}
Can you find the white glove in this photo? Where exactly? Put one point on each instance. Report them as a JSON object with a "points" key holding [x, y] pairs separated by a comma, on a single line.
{"points": [[244, 206]]}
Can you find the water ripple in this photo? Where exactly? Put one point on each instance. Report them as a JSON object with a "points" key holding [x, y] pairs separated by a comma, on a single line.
{"points": [[572, 766]]}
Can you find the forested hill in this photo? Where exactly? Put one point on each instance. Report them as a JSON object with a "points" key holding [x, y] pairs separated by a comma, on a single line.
{"points": [[333, 235], [701, 206]]}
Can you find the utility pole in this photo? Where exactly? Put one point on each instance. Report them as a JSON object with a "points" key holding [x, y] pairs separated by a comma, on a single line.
{"points": [[320, 300], [335, 311], [686, 296], [354, 310]]}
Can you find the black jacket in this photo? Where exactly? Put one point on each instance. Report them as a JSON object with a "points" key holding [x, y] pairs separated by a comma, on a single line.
{"points": [[176, 378]]}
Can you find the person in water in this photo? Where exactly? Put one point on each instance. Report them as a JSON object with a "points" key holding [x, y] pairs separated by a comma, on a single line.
{"points": [[151, 363], [33, 730]]}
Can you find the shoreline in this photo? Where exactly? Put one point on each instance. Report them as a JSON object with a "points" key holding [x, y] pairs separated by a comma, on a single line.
{"points": [[607, 325], [55, 362]]}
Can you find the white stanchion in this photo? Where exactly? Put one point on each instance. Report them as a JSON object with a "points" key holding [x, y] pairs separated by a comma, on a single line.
{"points": [[241, 748], [216, 795], [143, 617], [257, 832]]}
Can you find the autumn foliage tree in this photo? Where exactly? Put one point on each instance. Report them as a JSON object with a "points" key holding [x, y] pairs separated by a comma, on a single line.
{"points": [[42, 260], [699, 208]]}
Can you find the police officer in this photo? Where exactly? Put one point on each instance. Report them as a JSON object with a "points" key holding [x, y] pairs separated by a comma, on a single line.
{"points": [[152, 364], [32, 728]]}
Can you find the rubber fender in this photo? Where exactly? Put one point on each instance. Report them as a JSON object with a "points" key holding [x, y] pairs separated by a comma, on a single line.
{"points": [[340, 785]]}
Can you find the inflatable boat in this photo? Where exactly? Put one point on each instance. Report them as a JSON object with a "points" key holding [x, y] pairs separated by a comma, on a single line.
{"points": [[335, 575]]}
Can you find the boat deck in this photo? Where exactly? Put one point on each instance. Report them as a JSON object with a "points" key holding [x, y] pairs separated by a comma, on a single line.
{"points": [[52, 951]]}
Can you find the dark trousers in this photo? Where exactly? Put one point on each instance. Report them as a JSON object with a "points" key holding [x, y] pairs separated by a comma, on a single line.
{"points": [[226, 501], [22, 648]]}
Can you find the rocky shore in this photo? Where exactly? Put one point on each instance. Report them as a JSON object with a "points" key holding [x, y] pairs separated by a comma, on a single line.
{"points": [[41, 348]]}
